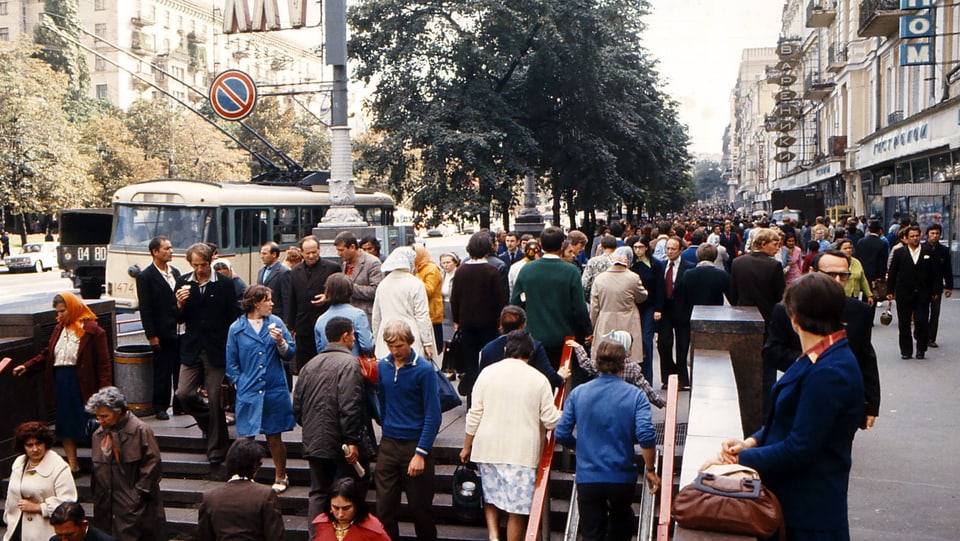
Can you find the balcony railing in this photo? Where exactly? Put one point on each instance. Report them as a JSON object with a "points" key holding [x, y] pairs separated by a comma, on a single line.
{"points": [[879, 18], [816, 87], [836, 57], [142, 20], [821, 13]]}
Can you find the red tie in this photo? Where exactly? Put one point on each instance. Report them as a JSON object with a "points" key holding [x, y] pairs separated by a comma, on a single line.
{"points": [[670, 280]]}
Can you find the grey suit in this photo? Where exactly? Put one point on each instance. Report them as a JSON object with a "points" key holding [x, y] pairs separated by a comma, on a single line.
{"points": [[366, 276], [279, 283]]}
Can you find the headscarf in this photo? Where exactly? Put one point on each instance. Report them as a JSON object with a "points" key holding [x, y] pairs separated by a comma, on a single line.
{"points": [[622, 256], [622, 337], [401, 259], [77, 313], [423, 256]]}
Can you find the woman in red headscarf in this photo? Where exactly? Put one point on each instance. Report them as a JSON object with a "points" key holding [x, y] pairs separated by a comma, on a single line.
{"points": [[76, 364]]}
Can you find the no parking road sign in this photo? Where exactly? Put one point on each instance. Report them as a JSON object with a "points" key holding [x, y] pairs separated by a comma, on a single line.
{"points": [[233, 95]]}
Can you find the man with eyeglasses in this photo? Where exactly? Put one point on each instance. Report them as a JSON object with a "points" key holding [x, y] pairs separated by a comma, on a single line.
{"points": [[782, 345]]}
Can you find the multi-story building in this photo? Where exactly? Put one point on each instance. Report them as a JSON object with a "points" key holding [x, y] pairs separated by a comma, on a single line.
{"points": [[746, 161], [871, 119], [176, 44]]}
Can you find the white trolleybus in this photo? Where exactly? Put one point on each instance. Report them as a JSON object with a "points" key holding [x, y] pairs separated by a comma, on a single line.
{"points": [[237, 216]]}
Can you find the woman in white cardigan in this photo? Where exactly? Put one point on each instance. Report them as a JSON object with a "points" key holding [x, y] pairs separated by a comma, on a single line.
{"points": [[39, 482], [401, 295], [506, 426]]}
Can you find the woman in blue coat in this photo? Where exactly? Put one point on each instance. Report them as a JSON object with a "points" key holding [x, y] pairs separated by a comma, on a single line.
{"points": [[803, 453], [257, 345]]}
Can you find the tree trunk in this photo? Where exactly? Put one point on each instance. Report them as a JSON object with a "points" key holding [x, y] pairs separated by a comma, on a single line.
{"points": [[556, 199], [571, 212], [22, 226]]}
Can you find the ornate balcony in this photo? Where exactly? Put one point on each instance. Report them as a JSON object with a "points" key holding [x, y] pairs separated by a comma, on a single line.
{"points": [[836, 58], [821, 13], [879, 18], [816, 87]]}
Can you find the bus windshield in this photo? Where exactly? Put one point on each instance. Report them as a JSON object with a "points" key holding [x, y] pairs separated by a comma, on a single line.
{"points": [[136, 225]]}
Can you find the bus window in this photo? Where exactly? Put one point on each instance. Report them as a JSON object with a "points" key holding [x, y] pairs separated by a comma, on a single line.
{"points": [[372, 215], [251, 228], [309, 218], [286, 226], [136, 225]]}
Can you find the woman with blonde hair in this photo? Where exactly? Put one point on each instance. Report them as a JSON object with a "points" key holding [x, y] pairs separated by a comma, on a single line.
{"points": [[429, 273]]}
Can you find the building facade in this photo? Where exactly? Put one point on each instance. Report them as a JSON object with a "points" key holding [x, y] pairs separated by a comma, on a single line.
{"points": [[870, 120], [178, 45]]}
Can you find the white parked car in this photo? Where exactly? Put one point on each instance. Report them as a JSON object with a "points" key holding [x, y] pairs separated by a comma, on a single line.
{"points": [[38, 256]]}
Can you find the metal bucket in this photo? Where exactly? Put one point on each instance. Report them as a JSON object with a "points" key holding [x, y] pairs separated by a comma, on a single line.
{"points": [[133, 375]]}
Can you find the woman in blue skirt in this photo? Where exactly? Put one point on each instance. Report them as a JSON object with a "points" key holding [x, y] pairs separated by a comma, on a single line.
{"points": [[76, 364]]}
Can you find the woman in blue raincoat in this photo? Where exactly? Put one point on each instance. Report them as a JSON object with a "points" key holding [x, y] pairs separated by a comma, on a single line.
{"points": [[257, 344]]}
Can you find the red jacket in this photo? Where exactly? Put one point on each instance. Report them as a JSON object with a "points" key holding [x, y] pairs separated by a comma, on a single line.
{"points": [[94, 365], [368, 530]]}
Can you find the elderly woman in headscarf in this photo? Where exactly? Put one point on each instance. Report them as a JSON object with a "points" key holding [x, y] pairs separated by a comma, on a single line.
{"points": [[429, 273], [402, 296], [615, 298], [126, 472], [76, 363]]}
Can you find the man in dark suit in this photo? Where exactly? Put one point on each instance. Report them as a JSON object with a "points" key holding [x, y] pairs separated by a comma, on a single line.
{"points": [[158, 315], [208, 306], [240, 508], [706, 284], [276, 276], [756, 279], [307, 281], [513, 253], [782, 345], [70, 523], [944, 286], [912, 281], [673, 327], [872, 253]]}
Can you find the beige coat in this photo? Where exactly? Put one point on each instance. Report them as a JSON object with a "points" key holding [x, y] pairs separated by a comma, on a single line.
{"points": [[51, 485], [402, 296], [614, 298]]}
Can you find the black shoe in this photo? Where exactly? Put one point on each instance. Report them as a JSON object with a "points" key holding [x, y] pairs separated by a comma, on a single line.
{"points": [[684, 387], [663, 387], [933, 344], [920, 354], [162, 415], [905, 357]]}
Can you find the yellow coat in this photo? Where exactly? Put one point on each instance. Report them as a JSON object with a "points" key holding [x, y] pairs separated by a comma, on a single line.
{"points": [[432, 280]]}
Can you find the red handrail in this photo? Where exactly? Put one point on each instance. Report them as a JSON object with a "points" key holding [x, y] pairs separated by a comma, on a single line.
{"points": [[666, 471], [546, 458]]}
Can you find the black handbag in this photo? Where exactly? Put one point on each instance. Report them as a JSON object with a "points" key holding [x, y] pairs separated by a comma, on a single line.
{"points": [[467, 493], [453, 353]]}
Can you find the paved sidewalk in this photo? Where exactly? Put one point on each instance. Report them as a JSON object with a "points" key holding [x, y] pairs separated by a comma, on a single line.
{"points": [[905, 482]]}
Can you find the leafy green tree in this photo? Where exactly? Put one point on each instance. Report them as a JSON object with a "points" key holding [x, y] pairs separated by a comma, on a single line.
{"points": [[41, 170], [471, 94], [302, 138], [708, 179], [57, 34], [114, 157]]}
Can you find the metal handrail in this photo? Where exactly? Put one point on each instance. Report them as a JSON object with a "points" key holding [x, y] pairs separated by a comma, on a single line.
{"points": [[539, 520], [648, 502], [669, 454]]}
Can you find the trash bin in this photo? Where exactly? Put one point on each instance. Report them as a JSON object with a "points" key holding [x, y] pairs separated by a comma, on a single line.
{"points": [[133, 375]]}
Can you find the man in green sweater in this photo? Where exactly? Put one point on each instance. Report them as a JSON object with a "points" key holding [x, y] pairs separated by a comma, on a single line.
{"points": [[551, 292]]}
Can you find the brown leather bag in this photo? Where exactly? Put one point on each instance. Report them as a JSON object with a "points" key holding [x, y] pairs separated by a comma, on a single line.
{"points": [[729, 499]]}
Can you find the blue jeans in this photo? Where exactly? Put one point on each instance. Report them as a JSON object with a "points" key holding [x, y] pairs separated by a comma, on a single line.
{"points": [[649, 329]]}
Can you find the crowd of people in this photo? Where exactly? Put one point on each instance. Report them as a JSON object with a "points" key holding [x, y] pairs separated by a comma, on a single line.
{"points": [[292, 348]]}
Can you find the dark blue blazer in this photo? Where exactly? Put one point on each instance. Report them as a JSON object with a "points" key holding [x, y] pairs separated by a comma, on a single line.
{"points": [[804, 451], [493, 352], [653, 281]]}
